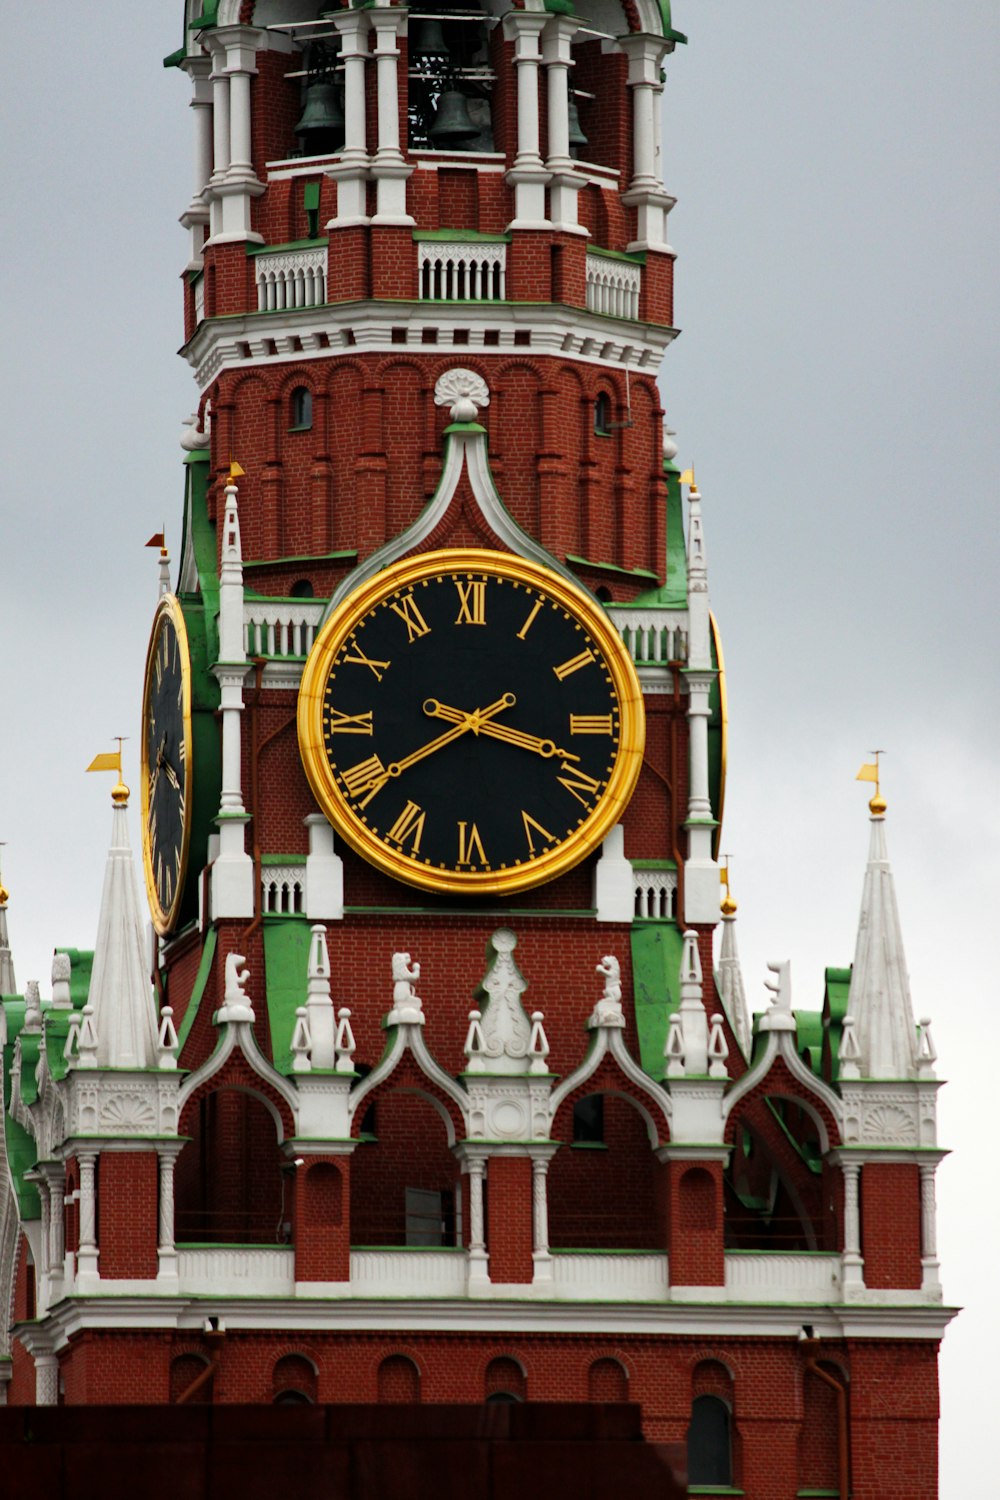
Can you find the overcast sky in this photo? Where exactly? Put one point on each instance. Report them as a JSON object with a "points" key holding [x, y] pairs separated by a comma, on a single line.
{"points": [[835, 385]]}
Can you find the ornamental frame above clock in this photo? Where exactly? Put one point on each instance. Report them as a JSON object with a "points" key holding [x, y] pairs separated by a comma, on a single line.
{"points": [[470, 722]]}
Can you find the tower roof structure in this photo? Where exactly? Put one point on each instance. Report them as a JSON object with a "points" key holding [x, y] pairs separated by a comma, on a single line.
{"points": [[879, 996]]}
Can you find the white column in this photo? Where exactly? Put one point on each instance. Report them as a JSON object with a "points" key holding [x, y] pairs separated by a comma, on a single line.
{"points": [[57, 1244], [351, 172], [528, 176], [234, 184], [478, 1258], [540, 1219], [853, 1264], [46, 1380], [389, 169], [931, 1281], [701, 872], [195, 216], [232, 870], [324, 872], [564, 183], [646, 192], [86, 1260], [166, 1249]]}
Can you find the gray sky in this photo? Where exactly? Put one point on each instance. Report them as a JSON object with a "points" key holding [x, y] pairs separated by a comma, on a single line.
{"points": [[836, 387]]}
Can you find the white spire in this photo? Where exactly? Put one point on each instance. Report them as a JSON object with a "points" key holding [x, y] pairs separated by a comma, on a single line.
{"points": [[879, 996], [120, 990], [734, 1000], [8, 984]]}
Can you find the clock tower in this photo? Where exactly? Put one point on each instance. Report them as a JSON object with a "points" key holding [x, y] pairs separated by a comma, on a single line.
{"points": [[441, 1091]]}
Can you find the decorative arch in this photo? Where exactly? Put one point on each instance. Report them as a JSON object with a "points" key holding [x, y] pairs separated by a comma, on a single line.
{"points": [[505, 1377], [294, 1380], [607, 1380], [398, 1380]]}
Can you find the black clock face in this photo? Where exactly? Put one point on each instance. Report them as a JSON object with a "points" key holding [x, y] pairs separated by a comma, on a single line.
{"points": [[478, 725], [165, 764]]}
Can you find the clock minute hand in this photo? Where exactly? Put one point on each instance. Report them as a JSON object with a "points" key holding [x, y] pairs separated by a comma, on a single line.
{"points": [[509, 736], [464, 724]]}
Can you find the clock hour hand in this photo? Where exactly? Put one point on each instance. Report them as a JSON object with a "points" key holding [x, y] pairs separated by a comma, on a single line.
{"points": [[170, 774], [466, 722], [509, 736]]}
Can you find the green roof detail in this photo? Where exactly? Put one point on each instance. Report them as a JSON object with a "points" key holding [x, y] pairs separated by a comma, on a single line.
{"points": [[286, 959], [672, 594], [837, 988], [201, 979], [656, 963]]}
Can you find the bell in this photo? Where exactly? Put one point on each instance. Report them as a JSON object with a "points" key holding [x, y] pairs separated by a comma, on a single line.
{"points": [[452, 123], [429, 41], [322, 121], [577, 139]]}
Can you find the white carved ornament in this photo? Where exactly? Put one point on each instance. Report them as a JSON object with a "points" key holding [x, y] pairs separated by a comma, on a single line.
{"points": [[464, 391]]}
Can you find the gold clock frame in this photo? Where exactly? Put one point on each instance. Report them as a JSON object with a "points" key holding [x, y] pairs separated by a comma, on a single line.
{"points": [[164, 921], [579, 842]]}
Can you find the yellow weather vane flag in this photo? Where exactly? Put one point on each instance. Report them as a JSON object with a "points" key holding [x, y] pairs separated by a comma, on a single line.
{"points": [[109, 760]]}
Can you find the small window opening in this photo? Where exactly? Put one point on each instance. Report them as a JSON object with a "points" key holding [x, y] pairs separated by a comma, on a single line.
{"points": [[302, 408], [460, 336], [491, 336], [399, 336], [310, 202], [604, 595], [710, 1459], [602, 415], [588, 1121], [429, 336], [430, 1217], [522, 336], [302, 589]]}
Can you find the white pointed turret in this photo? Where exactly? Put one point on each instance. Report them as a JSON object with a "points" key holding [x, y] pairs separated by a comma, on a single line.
{"points": [[121, 995], [731, 990], [320, 1016], [879, 996], [701, 873], [691, 1011], [232, 872], [8, 984]]}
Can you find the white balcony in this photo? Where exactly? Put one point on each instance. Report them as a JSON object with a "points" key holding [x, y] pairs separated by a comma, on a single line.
{"points": [[451, 271], [235, 1270], [613, 286], [652, 637], [281, 627], [596, 1276], [783, 1276], [282, 890], [655, 894], [291, 278]]}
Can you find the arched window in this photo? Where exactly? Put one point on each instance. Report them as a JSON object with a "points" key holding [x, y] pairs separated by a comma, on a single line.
{"points": [[302, 409], [607, 1381], [505, 1380], [588, 1121], [302, 589], [602, 415], [294, 1381], [398, 1380], [710, 1456]]}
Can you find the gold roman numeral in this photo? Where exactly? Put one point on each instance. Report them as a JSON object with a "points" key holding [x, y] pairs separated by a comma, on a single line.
{"points": [[367, 776], [406, 608], [359, 659], [529, 824], [590, 724], [338, 723], [470, 845], [471, 601], [574, 664], [530, 620], [409, 825], [577, 781]]}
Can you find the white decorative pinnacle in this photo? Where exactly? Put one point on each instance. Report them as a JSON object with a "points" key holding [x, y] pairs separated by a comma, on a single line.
{"points": [[86, 1039], [121, 993], [849, 1055], [32, 1008], [538, 1044], [718, 1047], [407, 1006], [505, 1027], [608, 1010], [691, 1011], [673, 1049], [319, 1004], [345, 1044], [926, 1050], [879, 996], [731, 988], [236, 1003], [779, 1017], [464, 391], [301, 1042], [167, 1041], [697, 563]]}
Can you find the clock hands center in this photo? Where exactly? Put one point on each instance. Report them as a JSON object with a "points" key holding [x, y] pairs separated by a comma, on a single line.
{"points": [[466, 721], [546, 748]]}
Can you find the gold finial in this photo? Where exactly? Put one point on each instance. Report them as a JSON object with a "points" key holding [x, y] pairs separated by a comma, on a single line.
{"points": [[111, 760], [688, 478], [4, 892], [728, 905], [870, 772]]}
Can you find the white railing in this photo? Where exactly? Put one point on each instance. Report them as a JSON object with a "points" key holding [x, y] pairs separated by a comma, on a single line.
{"points": [[782, 1276], [281, 627], [613, 286], [291, 278], [282, 889], [199, 299], [652, 637], [408, 1273], [655, 894], [236, 1270], [638, 1277], [462, 272]]}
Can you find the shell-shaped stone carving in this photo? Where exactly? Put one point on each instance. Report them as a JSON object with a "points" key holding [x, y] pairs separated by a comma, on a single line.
{"points": [[464, 391], [127, 1113], [890, 1123]]}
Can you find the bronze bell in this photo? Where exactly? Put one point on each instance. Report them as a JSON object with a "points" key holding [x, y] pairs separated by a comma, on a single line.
{"points": [[429, 41], [452, 123], [577, 139], [322, 122]]}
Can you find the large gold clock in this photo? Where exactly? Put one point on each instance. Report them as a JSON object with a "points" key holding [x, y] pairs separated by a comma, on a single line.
{"points": [[471, 722], [166, 764]]}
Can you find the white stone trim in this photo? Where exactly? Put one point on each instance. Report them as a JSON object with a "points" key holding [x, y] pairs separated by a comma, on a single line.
{"points": [[655, 894], [290, 278], [283, 890], [454, 271], [281, 628], [613, 286], [652, 637]]}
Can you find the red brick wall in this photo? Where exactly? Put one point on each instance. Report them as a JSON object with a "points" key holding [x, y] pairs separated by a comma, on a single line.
{"points": [[321, 1219], [696, 1224], [890, 1224], [127, 1214], [508, 1230]]}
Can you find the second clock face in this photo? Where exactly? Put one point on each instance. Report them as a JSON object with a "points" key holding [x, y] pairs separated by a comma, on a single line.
{"points": [[470, 721], [166, 761]]}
